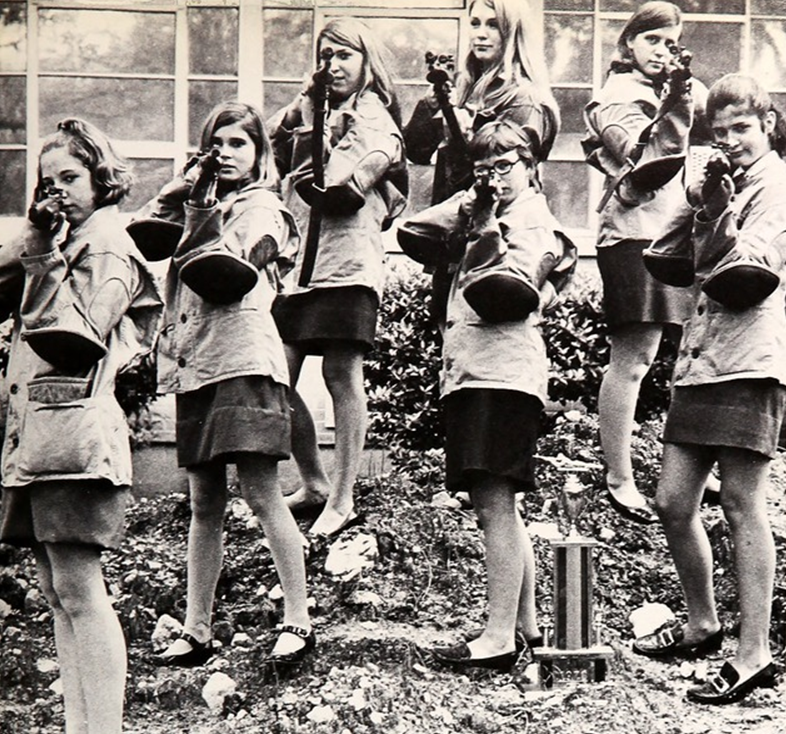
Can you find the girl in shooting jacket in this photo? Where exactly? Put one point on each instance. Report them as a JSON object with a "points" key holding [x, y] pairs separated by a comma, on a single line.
{"points": [[330, 302]]}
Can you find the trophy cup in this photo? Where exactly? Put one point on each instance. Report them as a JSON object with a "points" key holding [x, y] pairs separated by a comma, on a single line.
{"points": [[574, 635]]}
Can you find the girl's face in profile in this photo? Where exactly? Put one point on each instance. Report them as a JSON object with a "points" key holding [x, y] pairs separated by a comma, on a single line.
{"points": [[650, 49], [742, 134], [237, 152], [59, 168], [346, 66], [484, 34]]}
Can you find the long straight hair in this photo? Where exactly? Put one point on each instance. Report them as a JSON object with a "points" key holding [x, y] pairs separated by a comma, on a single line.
{"points": [[738, 90], [250, 119], [522, 58], [357, 35]]}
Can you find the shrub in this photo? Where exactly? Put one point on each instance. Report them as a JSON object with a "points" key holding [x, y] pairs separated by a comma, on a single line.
{"points": [[402, 372]]}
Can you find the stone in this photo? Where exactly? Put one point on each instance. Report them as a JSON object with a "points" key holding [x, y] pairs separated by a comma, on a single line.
{"points": [[167, 629], [215, 691], [347, 558], [649, 617]]}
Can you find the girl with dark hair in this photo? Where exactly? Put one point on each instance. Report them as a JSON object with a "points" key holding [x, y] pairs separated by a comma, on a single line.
{"points": [[332, 310], [495, 369], [642, 116], [85, 308], [729, 392], [221, 354]]}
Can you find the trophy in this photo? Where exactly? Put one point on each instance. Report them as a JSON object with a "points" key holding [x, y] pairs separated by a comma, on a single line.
{"points": [[574, 635]]}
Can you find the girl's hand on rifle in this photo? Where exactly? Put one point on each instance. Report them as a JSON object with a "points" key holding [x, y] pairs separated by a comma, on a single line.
{"points": [[203, 191], [483, 196], [45, 213], [715, 192]]}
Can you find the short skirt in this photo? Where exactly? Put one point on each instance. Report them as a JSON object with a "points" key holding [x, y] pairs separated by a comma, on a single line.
{"points": [[493, 432], [631, 295], [80, 512], [744, 414], [313, 319], [238, 415]]}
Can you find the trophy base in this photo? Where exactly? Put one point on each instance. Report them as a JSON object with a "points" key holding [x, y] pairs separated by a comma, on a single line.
{"points": [[594, 659]]}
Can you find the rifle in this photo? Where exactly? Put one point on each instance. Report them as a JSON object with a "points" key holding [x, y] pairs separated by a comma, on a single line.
{"points": [[322, 79], [440, 66]]}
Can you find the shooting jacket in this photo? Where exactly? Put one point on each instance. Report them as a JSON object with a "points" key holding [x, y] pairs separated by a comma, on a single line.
{"points": [[203, 343], [615, 118], [477, 353], [70, 426], [719, 344], [364, 162]]}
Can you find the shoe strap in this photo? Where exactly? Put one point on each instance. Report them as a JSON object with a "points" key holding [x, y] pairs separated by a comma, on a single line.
{"points": [[195, 644], [300, 632], [725, 679]]}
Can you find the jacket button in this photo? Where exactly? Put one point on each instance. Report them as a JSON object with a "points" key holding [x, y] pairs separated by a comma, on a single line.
{"points": [[15, 441], [700, 310], [694, 353], [183, 318], [14, 389], [181, 362], [450, 323]]}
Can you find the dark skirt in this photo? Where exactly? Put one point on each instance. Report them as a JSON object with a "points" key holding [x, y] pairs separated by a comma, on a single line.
{"points": [[631, 295], [493, 432], [745, 414], [313, 319], [239, 415], [81, 512]]}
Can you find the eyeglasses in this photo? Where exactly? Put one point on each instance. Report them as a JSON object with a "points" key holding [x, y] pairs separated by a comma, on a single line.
{"points": [[501, 167]]}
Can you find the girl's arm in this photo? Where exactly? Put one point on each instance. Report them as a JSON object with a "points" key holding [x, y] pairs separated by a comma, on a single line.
{"points": [[424, 131], [77, 304]]}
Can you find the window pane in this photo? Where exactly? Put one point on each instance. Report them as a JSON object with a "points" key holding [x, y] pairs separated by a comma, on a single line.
{"points": [[278, 95], [768, 7], [287, 39], [13, 49], [212, 38], [127, 109], [716, 48], [150, 174], [734, 7], [768, 62], [571, 104], [569, 48], [450, 4], [12, 182], [12, 109], [408, 39], [408, 96], [569, 5], [202, 97], [566, 186], [609, 33], [106, 41]]}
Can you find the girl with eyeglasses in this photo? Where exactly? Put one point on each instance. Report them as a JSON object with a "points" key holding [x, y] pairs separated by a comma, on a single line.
{"points": [[495, 370]]}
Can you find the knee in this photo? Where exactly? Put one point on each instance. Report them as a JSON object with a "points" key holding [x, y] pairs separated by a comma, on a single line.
{"points": [[72, 597], [207, 507], [671, 512]]}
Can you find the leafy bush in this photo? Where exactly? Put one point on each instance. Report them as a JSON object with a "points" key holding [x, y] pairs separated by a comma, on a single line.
{"points": [[402, 372]]}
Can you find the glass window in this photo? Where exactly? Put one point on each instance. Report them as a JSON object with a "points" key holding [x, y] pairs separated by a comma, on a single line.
{"points": [[106, 41], [571, 104], [150, 175], [278, 95], [408, 39], [13, 109], [768, 7], [569, 48], [213, 40], [566, 186], [408, 96], [716, 48], [732, 7], [202, 97], [287, 43], [13, 29], [569, 5], [126, 109], [389, 4], [12, 183], [768, 53]]}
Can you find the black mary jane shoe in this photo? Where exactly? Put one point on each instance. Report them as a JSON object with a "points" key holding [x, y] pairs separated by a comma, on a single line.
{"points": [[726, 687], [668, 641], [641, 515], [199, 654], [296, 656], [460, 656], [522, 643]]}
